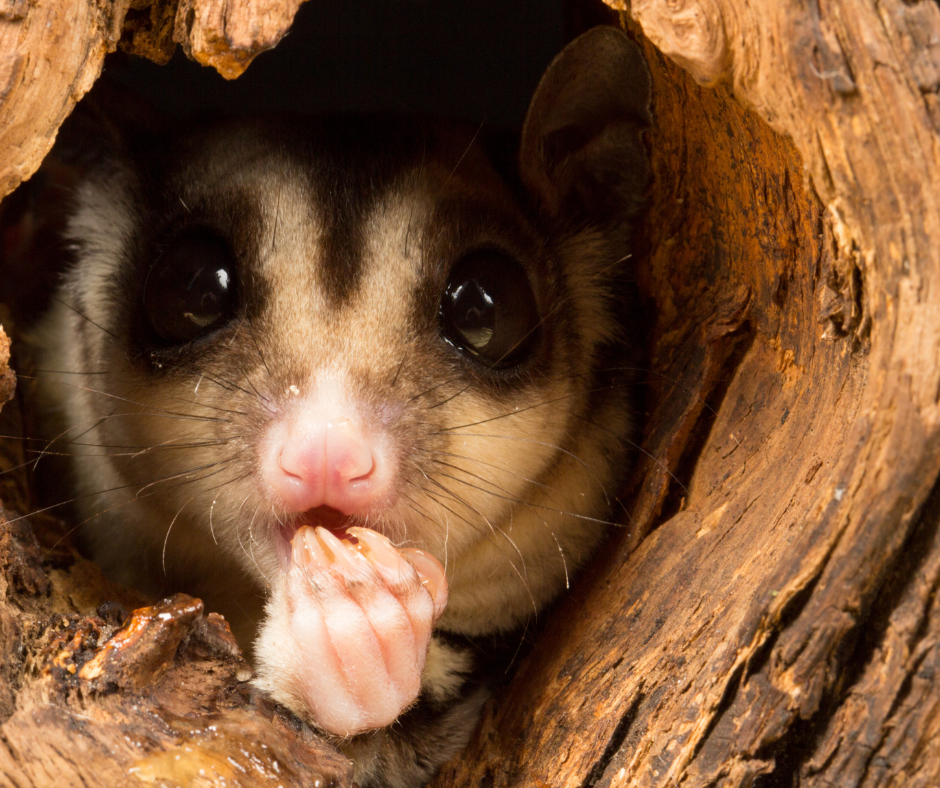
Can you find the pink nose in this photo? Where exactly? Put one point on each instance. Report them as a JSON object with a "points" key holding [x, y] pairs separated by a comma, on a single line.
{"points": [[312, 463]]}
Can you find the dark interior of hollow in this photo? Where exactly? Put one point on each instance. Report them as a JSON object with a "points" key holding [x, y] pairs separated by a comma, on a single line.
{"points": [[477, 61]]}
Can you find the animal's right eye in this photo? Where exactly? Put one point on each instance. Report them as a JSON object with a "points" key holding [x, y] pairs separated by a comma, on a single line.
{"points": [[190, 289]]}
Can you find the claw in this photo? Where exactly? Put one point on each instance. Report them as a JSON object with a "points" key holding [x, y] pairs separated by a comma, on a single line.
{"points": [[307, 550], [432, 576], [344, 553], [377, 548]]}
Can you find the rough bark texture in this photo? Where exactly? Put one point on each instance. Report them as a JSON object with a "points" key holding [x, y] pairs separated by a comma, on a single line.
{"points": [[37, 91], [7, 378], [51, 53], [224, 34], [769, 614]]}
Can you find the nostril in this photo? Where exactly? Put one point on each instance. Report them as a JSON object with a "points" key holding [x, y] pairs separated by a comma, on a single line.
{"points": [[365, 477], [287, 467], [301, 458], [349, 453], [368, 474]]}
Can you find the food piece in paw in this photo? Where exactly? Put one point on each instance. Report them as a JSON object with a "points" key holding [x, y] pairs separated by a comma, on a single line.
{"points": [[348, 628]]}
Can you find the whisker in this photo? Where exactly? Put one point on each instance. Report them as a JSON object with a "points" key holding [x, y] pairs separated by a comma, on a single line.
{"points": [[254, 341], [476, 511], [578, 393], [132, 500], [67, 372], [232, 387], [647, 371], [525, 630], [206, 405], [238, 534], [450, 398], [184, 473], [94, 423], [277, 216], [538, 443], [513, 499], [645, 452], [436, 386], [477, 461], [475, 476], [512, 564], [134, 451], [564, 561], [211, 524], [251, 541], [167, 539], [35, 462], [85, 317], [167, 444], [138, 449], [440, 503], [398, 372], [464, 154], [446, 540], [154, 408], [222, 385], [253, 394], [242, 506], [230, 481]]}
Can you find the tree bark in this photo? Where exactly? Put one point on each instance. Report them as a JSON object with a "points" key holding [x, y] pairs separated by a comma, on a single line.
{"points": [[768, 615]]}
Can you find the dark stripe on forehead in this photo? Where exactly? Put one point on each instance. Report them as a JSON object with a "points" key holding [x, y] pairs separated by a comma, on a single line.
{"points": [[359, 162], [344, 204]]}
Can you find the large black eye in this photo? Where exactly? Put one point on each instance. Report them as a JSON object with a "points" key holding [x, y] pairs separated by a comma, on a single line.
{"points": [[488, 309], [191, 288]]}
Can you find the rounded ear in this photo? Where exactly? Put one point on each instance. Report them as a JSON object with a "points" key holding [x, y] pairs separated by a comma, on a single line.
{"points": [[582, 154]]}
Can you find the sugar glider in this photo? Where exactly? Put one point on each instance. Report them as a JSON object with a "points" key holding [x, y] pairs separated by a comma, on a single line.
{"points": [[356, 383]]}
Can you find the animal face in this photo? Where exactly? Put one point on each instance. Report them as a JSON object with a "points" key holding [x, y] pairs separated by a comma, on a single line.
{"points": [[315, 327]]}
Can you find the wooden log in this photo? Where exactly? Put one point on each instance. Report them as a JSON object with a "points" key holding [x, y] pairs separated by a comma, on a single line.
{"points": [[37, 90], [229, 34]]}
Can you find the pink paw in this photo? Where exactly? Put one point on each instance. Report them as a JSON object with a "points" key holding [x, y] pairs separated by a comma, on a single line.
{"points": [[349, 628]]}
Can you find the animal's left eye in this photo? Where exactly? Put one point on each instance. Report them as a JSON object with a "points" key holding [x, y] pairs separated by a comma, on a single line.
{"points": [[190, 289], [488, 309]]}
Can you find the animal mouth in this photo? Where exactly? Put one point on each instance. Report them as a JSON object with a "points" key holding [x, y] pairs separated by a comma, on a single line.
{"points": [[326, 516]]}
